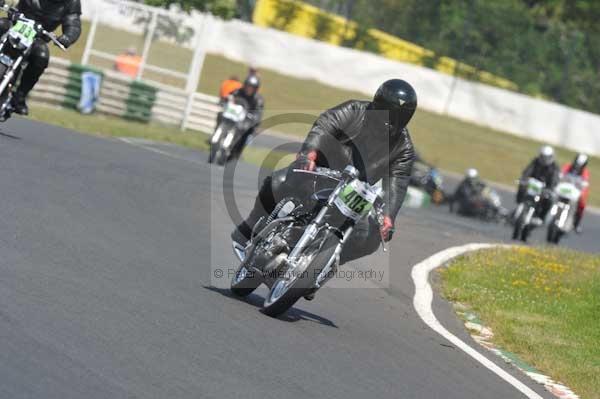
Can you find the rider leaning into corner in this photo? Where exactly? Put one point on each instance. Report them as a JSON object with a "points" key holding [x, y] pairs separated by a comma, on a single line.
{"points": [[545, 169], [468, 190], [51, 14], [579, 168], [370, 135], [256, 104]]}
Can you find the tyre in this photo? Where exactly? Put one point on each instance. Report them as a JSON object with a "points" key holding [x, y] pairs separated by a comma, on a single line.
{"points": [[212, 153], [554, 234], [244, 282], [283, 294], [551, 233], [221, 157], [525, 233], [5, 95], [518, 228]]}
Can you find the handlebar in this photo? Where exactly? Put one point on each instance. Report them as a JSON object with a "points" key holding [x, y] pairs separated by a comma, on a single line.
{"points": [[53, 39], [324, 172]]}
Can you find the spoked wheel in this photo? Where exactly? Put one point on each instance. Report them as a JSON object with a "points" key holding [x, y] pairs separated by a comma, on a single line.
{"points": [[287, 289]]}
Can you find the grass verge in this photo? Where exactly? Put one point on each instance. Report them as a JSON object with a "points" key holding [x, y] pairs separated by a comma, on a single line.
{"points": [[542, 304]]}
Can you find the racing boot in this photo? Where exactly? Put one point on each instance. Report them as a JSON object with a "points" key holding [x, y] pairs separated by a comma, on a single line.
{"points": [[19, 104], [577, 222]]}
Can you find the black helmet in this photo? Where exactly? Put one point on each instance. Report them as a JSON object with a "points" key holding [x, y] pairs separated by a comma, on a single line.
{"points": [[579, 164], [399, 98], [252, 81]]}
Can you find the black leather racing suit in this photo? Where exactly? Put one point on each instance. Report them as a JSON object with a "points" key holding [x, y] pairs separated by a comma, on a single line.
{"points": [[351, 133], [51, 15], [467, 192], [548, 174]]}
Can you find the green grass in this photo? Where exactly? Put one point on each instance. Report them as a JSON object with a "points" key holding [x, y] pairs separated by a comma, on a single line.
{"points": [[449, 143], [542, 304]]}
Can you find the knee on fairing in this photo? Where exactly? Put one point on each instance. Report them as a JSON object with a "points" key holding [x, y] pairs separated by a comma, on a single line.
{"points": [[5, 25]]}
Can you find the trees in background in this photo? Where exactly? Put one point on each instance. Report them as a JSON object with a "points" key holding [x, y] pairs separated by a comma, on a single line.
{"points": [[223, 8], [549, 48]]}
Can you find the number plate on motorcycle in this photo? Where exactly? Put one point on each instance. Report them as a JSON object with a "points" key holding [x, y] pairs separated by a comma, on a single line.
{"points": [[234, 112], [24, 31], [355, 200]]}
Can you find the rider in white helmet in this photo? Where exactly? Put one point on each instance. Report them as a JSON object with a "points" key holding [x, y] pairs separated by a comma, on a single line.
{"points": [[467, 191]]}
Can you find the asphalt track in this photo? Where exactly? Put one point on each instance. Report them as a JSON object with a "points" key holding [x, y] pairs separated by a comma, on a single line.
{"points": [[108, 253]]}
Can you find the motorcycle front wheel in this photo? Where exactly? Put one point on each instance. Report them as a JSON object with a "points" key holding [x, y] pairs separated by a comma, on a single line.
{"points": [[5, 96], [518, 228], [554, 234], [287, 290]]}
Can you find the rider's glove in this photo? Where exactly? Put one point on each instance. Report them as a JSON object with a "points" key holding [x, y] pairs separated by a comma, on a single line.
{"points": [[306, 161], [386, 229], [64, 40]]}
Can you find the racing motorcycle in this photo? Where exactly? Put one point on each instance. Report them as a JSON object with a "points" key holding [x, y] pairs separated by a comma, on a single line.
{"points": [[429, 179], [485, 205], [525, 219], [228, 132], [562, 214], [296, 249], [15, 47]]}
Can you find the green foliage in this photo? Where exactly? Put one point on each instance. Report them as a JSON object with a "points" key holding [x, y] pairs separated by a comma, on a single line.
{"points": [[222, 8], [549, 48]]}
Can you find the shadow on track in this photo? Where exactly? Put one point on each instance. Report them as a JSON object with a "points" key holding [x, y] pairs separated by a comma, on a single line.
{"points": [[10, 136], [292, 315]]}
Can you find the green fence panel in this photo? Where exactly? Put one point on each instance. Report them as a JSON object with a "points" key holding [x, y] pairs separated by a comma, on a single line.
{"points": [[140, 102]]}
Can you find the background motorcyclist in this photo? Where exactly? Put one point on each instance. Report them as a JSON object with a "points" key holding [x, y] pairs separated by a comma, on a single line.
{"points": [[467, 192], [579, 168], [372, 136], [51, 14], [545, 169], [256, 104]]}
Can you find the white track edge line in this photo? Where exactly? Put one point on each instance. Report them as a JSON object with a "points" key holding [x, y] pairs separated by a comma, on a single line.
{"points": [[156, 150], [423, 305]]}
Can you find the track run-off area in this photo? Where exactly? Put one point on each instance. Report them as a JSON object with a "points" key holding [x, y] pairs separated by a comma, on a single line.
{"points": [[108, 288]]}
